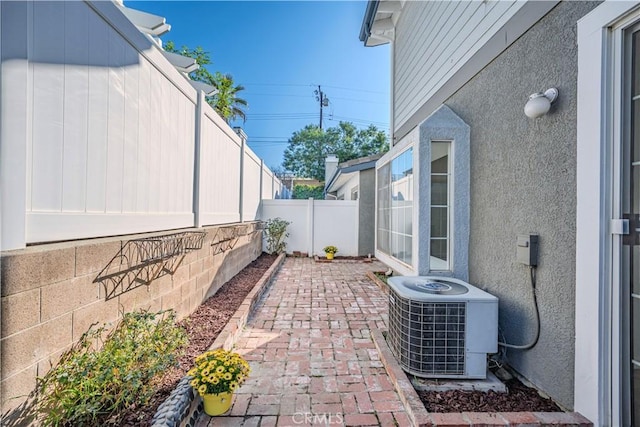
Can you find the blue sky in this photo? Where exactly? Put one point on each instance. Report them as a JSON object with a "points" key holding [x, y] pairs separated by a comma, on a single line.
{"points": [[280, 52]]}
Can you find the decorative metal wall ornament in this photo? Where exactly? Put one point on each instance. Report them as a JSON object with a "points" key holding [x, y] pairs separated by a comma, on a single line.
{"points": [[226, 239], [141, 261]]}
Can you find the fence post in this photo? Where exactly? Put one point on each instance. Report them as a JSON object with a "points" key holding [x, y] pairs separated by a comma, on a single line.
{"points": [[16, 104], [310, 221], [197, 200], [243, 139], [261, 180]]}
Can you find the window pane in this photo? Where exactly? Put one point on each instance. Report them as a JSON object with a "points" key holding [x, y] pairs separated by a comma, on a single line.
{"points": [[440, 201], [439, 249], [395, 207], [439, 222], [439, 190]]}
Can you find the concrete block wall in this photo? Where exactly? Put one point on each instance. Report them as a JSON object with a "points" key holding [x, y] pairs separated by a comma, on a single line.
{"points": [[49, 298]]}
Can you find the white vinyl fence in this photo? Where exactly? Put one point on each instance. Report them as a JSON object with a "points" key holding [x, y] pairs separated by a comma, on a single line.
{"points": [[102, 136], [316, 224]]}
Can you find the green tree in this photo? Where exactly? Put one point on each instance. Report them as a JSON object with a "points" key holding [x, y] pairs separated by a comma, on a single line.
{"points": [[309, 147], [226, 102]]}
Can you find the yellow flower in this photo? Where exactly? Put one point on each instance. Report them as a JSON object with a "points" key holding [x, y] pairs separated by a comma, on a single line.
{"points": [[210, 378], [205, 372], [215, 381], [228, 376], [202, 389], [233, 385], [194, 382], [240, 377], [220, 369], [192, 372], [232, 370]]}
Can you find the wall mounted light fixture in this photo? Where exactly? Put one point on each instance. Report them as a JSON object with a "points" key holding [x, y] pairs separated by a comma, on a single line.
{"points": [[540, 103]]}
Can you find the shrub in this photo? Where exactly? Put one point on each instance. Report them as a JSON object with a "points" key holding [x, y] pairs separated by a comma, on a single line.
{"points": [[302, 191], [276, 231], [97, 385]]}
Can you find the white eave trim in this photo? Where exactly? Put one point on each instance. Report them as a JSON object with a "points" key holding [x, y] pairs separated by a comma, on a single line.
{"points": [[147, 23], [207, 89], [182, 63]]}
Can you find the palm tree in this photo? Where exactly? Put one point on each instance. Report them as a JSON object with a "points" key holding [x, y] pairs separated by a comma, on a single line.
{"points": [[226, 102]]}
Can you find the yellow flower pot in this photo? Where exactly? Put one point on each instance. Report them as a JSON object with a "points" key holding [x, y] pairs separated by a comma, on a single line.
{"points": [[217, 404], [329, 255]]}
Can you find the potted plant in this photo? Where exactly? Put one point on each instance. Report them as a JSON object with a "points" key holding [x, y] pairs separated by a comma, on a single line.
{"points": [[215, 376], [330, 251]]}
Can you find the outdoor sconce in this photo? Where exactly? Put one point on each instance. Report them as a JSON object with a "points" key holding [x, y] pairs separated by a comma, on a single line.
{"points": [[540, 103]]}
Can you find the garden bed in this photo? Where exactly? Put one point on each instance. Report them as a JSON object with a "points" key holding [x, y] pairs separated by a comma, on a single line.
{"points": [[203, 327]]}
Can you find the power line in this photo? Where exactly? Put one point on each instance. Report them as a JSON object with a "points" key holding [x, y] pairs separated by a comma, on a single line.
{"points": [[310, 84], [274, 94], [360, 100]]}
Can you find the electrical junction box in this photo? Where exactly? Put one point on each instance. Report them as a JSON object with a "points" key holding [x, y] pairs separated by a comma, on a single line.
{"points": [[527, 249]]}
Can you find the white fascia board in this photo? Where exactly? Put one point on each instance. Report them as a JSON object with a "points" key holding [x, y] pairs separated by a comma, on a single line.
{"points": [[184, 64], [339, 181], [146, 22]]}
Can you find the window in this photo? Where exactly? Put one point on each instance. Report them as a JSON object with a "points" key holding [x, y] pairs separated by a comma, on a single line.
{"points": [[354, 193], [440, 242], [443, 208], [395, 207]]}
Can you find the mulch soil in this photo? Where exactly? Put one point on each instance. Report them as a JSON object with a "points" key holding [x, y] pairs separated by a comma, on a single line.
{"points": [[203, 326], [519, 398]]}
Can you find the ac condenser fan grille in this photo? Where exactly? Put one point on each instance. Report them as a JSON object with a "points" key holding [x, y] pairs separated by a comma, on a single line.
{"points": [[428, 338]]}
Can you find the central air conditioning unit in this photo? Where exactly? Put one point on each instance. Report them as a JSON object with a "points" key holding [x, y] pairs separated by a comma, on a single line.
{"points": [[441, 327]]}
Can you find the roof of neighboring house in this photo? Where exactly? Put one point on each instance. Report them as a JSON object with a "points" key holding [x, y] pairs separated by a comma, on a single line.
{"points": [[340, 176]]}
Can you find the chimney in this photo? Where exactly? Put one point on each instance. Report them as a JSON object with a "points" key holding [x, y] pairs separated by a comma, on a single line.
{"points": [[330, 167]]}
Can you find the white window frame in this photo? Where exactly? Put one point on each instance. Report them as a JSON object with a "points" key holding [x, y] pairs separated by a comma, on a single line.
{"points": [[450, 217]]}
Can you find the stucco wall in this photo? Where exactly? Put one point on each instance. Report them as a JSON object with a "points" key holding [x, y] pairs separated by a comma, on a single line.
{"points": [[523, 180], [367, 212], [49, 298]]}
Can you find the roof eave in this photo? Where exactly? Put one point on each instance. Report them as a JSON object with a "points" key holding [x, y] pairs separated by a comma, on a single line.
{"points": [[369, 17]]}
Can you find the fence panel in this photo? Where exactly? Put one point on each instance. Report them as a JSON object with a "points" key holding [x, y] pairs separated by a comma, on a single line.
{"points": [[99, 133], [316, 224], [336, 223], [251, 185], [220, 151], [112, 129]]}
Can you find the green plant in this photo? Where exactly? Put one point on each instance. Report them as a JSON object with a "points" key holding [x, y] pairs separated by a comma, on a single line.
{"points": [[95, 384], [276, 231], [218, 371], [330, 249]]}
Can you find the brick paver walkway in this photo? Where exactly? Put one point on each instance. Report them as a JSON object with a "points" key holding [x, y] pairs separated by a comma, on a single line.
{"points": [[312, 357]]}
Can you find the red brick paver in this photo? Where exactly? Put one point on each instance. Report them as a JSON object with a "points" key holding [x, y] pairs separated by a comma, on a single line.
{"points": [[311, 352]]}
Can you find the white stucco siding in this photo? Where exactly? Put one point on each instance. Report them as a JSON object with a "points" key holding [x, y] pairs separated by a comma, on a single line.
{"points": [[344, 192], [433, 40]]}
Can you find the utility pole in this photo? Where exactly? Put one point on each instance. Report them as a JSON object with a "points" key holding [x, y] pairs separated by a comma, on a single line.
{"points": [[323, 100]]}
